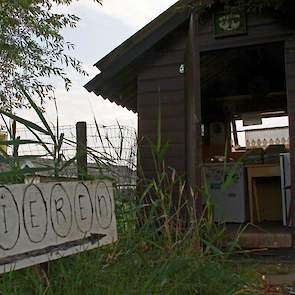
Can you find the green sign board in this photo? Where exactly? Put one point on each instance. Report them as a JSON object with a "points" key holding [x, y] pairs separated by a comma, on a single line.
{"points": [[230, 23]]}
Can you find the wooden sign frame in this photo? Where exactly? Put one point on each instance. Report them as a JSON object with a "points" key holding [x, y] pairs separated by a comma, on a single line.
{"points": [[47, 221]]}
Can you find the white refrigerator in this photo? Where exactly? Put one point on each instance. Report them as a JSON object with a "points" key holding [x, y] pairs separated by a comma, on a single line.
{"points": [[286, 186], [229, 202]]}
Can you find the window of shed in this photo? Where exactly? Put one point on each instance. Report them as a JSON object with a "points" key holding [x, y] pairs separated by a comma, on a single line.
{"points": [[272, 131]]}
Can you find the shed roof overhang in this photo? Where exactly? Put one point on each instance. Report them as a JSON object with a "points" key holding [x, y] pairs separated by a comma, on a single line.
{"points": [[117, 81]]}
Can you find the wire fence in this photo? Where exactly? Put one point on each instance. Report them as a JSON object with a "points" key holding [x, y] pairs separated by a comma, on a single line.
{"points": [[119, 142], [116, 143]]}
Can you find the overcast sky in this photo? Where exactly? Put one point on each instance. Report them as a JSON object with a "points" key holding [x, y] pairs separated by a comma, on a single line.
{"points": [[101, 29]]}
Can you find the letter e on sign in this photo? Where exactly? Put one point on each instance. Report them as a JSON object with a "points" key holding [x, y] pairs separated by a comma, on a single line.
{"points": [[34, 214]]}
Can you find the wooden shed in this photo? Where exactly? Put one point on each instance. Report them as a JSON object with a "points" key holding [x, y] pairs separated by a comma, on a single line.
{"points": [[205, 72]]}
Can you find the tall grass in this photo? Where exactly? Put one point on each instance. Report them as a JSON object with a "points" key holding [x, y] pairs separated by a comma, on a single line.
{"points": [[52, 148], [153, 256], [163, 247], [156, 254]]}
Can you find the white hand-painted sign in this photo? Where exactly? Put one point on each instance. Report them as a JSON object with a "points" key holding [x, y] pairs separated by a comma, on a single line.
{"points": [[47, 221]]}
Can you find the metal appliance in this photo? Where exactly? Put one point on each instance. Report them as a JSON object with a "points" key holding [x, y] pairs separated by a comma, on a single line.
{"points": [[286, 186], [226, 185]]}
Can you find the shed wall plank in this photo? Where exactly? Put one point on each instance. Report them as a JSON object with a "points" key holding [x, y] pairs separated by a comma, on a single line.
{"points": [[290, 73], [161, 85], [168, 97]]}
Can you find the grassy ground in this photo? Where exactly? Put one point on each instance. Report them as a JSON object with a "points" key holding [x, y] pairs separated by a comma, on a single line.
{"points": [[119, 270], [157, 255], [136, 267], [153, 258], [146, 271], [142, 263], [146, 261]]}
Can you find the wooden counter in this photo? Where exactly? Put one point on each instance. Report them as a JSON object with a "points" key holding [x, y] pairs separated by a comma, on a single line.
{"points": [[255, 171]]}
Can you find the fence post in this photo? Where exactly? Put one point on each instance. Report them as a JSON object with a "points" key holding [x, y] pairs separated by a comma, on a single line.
{"points": [[81, 149]]}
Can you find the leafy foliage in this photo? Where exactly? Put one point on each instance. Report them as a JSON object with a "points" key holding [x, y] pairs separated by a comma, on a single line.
{"points": [[253, 5], [32, 48], [284, 8]]}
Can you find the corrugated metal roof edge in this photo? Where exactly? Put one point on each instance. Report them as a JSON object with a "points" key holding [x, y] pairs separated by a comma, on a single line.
{"points": [[143, 33], [109, 65]]}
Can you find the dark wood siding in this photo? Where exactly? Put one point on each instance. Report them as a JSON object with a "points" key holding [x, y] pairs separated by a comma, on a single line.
{"points": [[161, 87], [261, 29], [290, 79], [160, 83]]}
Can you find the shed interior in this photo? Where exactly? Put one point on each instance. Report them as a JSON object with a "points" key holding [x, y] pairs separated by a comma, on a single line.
{"points": [[245, 84], [238, 83]]}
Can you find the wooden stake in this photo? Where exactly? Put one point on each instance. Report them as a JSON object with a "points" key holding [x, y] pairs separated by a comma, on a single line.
{"points": [[81, 149]]}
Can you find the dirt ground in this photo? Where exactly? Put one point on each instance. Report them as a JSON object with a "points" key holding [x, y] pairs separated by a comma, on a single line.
{"points": [[274, 270]]}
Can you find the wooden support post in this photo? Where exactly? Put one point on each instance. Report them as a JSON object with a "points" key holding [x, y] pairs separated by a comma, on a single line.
{"points": [[81, 149], [290, 83], [235, 133], [193, 112]]}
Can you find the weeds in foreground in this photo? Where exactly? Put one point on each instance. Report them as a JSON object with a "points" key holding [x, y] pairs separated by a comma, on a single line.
{"points": [[126, 269], [163, 248]]}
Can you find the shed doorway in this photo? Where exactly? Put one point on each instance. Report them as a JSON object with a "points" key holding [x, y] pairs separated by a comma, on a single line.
{"points": [[246, 141]]}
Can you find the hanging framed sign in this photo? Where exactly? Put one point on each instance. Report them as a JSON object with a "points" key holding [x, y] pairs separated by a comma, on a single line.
{"points": [[230, 23]]}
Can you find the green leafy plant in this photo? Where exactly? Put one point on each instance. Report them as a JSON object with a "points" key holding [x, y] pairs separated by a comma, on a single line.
{"points": [[33, 49], [283, 9], [52, 149], [105, 162]]}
